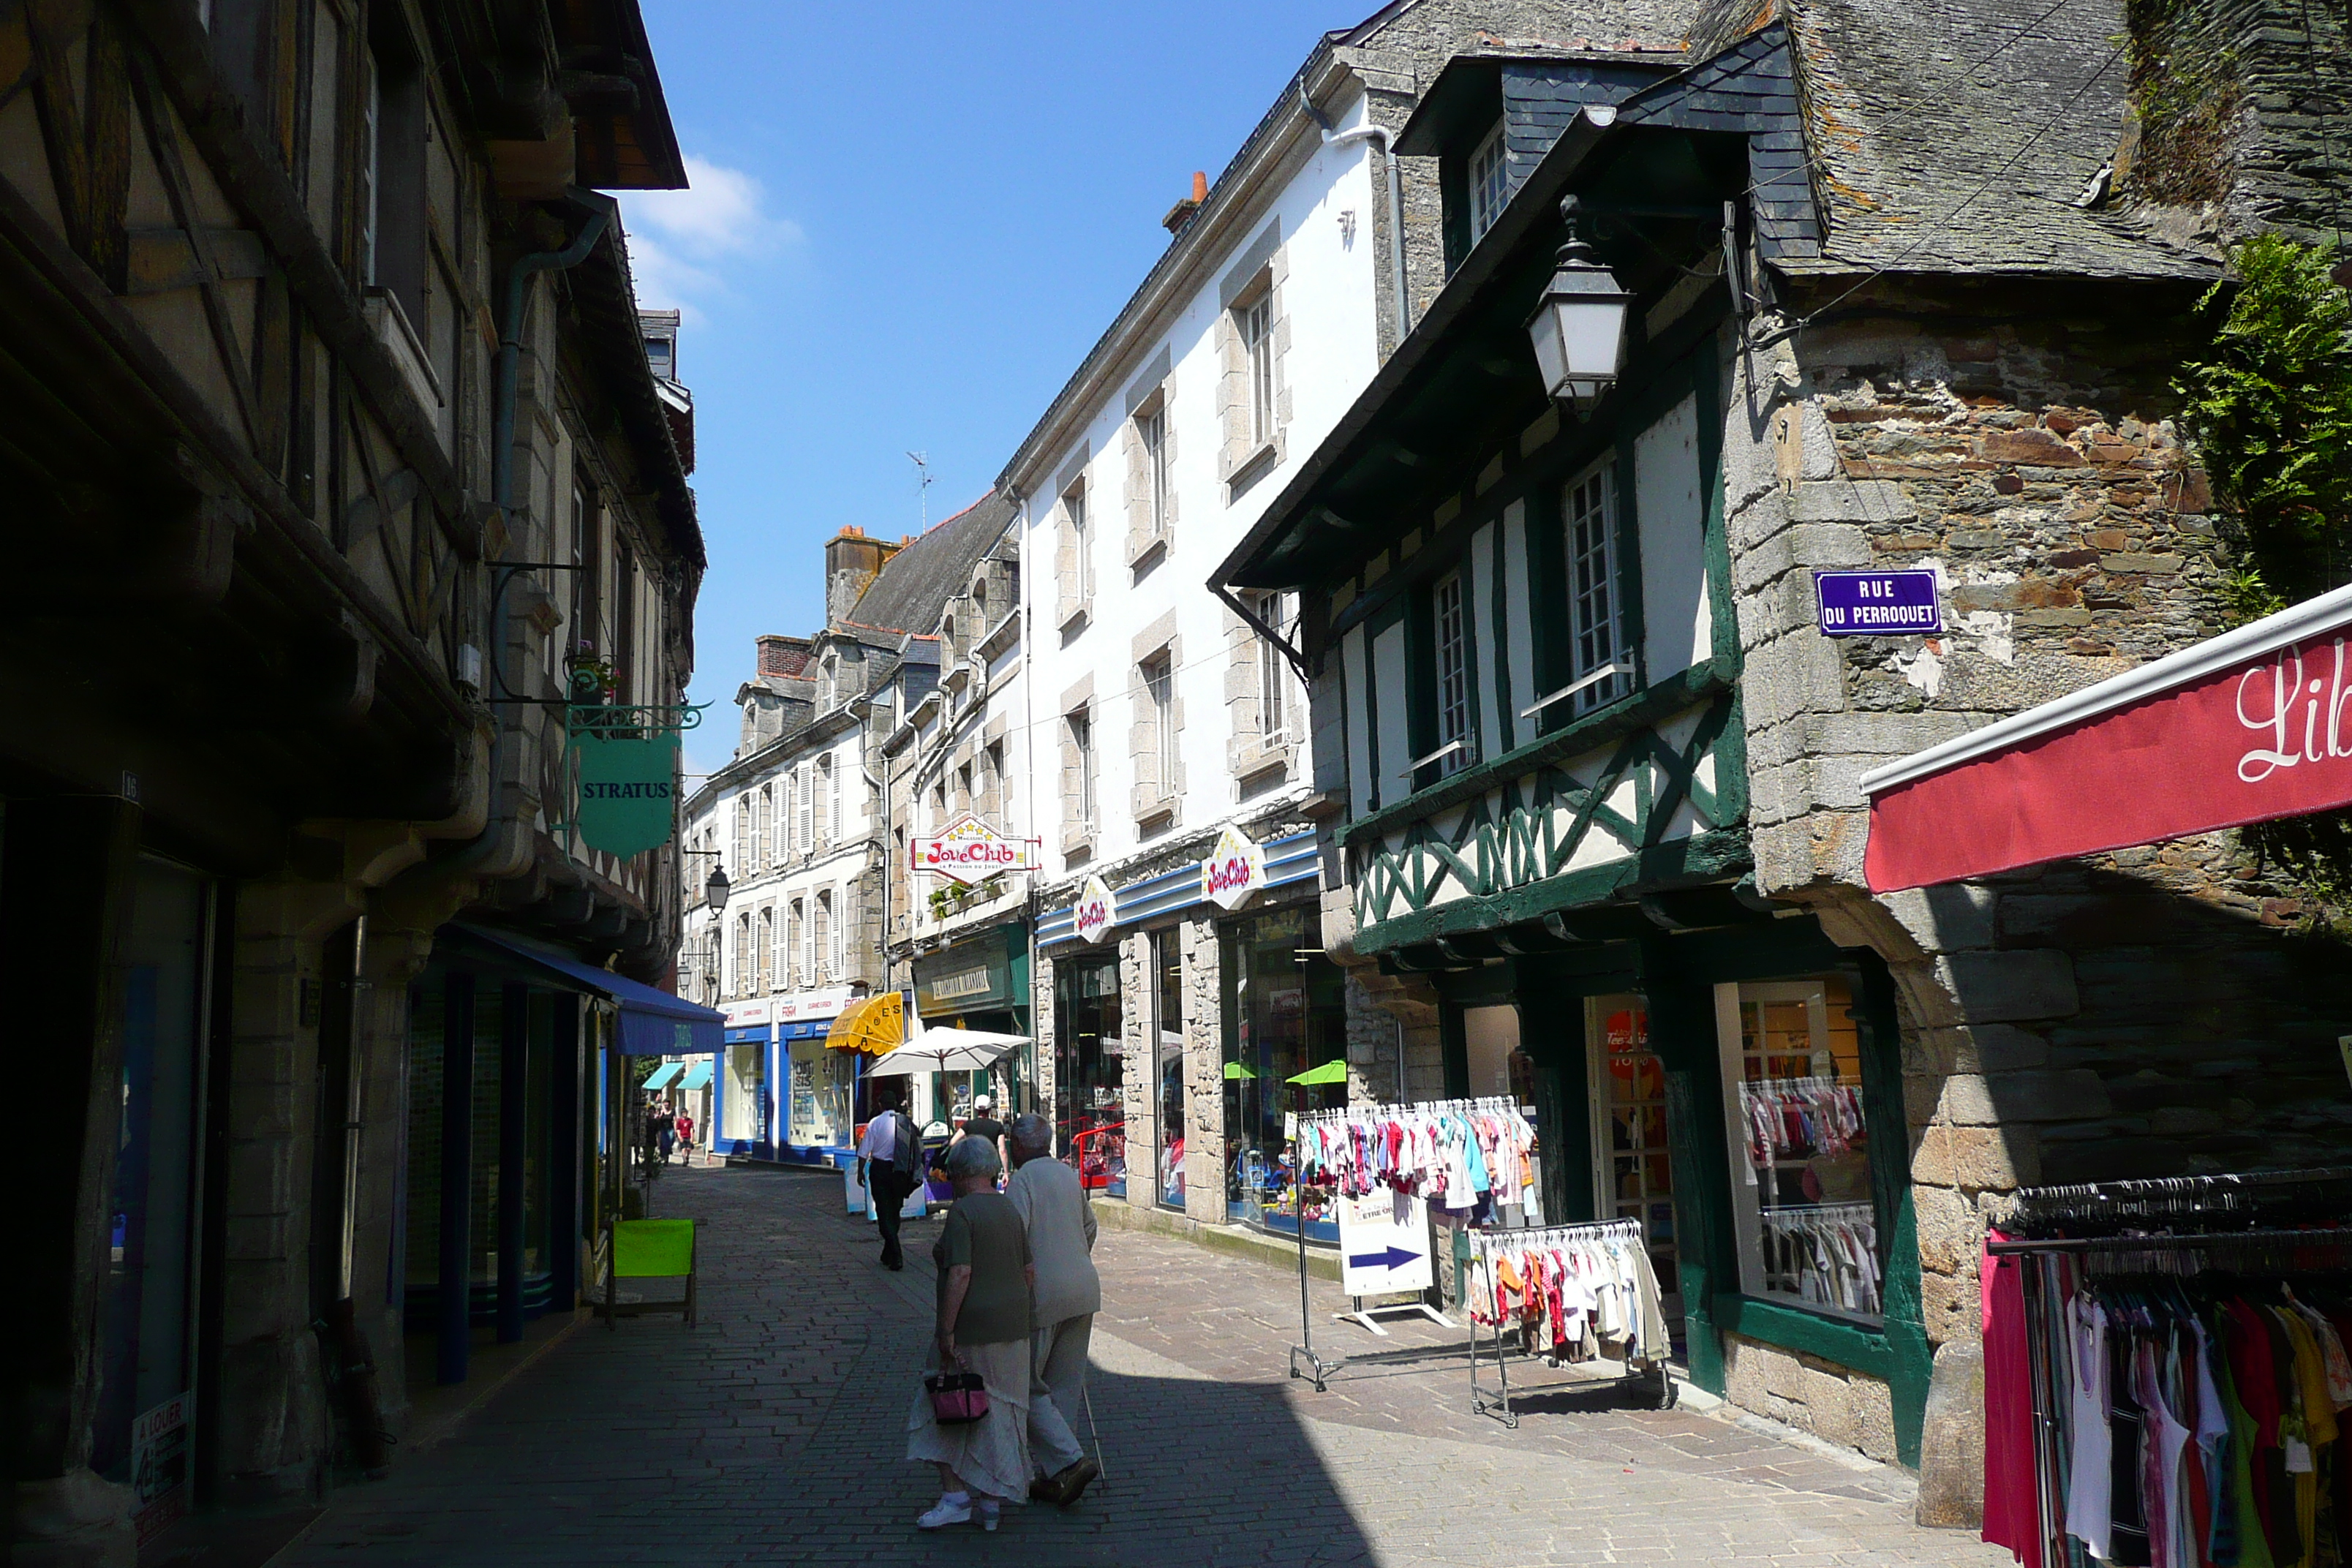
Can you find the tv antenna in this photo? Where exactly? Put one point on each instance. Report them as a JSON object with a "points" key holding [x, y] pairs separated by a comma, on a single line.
{"points": [[923, 476]]}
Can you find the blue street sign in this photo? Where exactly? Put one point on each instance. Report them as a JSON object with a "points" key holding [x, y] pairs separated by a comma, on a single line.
{"points": [[1878, 603], [1388, 1257]]}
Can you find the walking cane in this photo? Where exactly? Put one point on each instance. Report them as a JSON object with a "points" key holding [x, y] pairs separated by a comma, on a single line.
{"points": [[1087, 1394]]}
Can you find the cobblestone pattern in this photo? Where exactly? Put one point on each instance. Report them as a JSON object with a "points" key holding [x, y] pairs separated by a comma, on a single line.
{"points": [[771, 1433]]}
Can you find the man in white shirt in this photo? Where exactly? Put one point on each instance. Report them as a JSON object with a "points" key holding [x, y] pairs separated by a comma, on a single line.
{"points": [[1061, 1226], [886, 1173]]}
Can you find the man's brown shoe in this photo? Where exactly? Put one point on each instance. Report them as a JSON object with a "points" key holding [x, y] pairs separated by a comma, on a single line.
{"points": [[1043, 1489]]}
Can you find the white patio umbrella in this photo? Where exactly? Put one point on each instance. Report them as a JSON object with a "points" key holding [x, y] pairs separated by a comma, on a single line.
{"points": [[947, 1051]]}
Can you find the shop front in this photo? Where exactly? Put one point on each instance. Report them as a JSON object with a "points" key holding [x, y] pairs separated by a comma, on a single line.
{"points": [[1180, 1001], [742, 1112], [981, 983], [791, 1097]]}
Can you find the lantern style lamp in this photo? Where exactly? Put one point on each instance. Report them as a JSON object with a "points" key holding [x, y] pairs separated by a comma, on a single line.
{"points": [[716, 889], [1579, 327]]}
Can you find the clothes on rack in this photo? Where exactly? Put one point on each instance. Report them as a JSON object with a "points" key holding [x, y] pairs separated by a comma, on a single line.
{"points": [[1824, 1252], [1575, 1293], [1467, 1157], [1797, 1118], [2203, 1418]]}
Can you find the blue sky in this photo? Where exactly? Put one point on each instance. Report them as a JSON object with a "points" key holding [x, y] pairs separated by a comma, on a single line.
{"points": [[908, 225]]}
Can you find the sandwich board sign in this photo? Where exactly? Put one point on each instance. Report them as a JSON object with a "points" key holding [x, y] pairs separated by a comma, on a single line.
{"points": [[1384, 1242]]}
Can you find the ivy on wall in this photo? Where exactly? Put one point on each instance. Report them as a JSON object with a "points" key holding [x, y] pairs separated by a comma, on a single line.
{"points": [[2269, 409]]}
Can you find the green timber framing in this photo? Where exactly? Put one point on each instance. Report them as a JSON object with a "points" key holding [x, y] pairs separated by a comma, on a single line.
{"points": [[1490, 884]]}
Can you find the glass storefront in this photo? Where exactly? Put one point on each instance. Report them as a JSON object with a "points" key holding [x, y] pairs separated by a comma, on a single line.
{"points": [[1089, 1109], [819, 1106], [743, 1108], [1805, 1215], [140, 1427], [1634, 1172], [1284, 1013], [1167, 1031]]}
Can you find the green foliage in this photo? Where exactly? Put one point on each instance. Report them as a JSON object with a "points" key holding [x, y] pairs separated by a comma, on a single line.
{"points": [[2269, 409]]}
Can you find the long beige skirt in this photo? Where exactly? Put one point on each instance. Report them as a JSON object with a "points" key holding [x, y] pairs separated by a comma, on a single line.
{"points": [[989, 1456]]}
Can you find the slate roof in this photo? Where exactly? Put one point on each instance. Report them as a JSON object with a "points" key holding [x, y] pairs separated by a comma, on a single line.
{"points": [[915, 585], [2000, 111]]}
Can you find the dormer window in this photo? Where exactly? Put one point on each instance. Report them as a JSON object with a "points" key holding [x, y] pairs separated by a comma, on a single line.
{"points": [[1489, 182]]}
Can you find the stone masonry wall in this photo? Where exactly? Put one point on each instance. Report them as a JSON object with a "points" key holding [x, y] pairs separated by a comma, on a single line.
{"points": [[2144, 1013]]}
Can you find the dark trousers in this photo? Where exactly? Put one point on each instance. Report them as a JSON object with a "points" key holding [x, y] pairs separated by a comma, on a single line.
{"points": [[889, 1189]]}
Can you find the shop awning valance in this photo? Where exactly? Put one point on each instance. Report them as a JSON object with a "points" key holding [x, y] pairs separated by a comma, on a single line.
{"points": [[653, 1022], [664, 1075], [2251, 726], [698, 1076], [875, 1025]]}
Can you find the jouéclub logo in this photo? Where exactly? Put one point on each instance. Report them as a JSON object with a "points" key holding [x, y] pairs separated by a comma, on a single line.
{"points": [[968, 851], [1096, 911], [1234, 869]]}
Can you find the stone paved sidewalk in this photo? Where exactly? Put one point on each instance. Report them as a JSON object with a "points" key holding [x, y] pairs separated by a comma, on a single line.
{"points": [[771, 1433]]}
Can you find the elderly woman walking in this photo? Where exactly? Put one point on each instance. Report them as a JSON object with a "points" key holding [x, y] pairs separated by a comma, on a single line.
{"points": [[983, 1326]]}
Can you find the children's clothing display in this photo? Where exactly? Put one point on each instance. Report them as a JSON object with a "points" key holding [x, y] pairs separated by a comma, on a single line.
{"points": [[1467, 1157], [1568, 1293], [1826, 1253], [2187, 1377]]}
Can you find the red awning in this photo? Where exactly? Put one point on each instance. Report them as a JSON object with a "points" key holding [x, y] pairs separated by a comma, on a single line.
{"points": [[2249, 726]]}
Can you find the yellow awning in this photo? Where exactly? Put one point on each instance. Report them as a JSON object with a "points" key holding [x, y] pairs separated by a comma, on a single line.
{"points": [[874, 1026]]}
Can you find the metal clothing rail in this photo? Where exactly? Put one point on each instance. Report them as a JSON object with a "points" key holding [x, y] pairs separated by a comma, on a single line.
{"points": [[1495, 1400], [2270, 1248]]}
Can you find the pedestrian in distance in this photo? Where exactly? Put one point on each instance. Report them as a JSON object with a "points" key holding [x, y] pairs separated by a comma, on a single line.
{"points": [[982, 1327], [983, 1124], [1061, 1227], [665, 1133], [685, 1134], [889, 1160]]}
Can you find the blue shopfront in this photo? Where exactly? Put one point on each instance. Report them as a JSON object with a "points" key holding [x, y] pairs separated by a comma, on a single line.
{"points": [[1241, 925], [781, 1094]]}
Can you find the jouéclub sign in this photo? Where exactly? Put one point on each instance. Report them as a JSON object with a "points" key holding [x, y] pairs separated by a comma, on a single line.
{"points": [[628, 790], [970, 851], [1095, 911], [1234, 869], [1878, 604]]}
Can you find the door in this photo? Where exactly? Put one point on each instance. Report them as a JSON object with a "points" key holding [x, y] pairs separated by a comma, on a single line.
{"points": [[1633, 1174]]}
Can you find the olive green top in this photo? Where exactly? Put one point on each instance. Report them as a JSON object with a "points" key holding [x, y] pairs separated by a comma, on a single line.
{"points": [[983, 1232]]}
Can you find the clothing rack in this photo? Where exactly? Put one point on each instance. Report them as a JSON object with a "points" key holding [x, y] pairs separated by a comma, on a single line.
{"points": [[2249, 1235], [1495, 1400]]}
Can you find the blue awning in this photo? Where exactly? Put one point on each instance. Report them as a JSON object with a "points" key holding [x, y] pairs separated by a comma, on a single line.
{"points": [[663, 1074], [653, 1022], [698, 1076]]}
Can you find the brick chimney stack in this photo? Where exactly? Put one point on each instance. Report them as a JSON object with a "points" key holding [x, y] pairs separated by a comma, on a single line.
{"points": [[782, 657], [1180, 216]]}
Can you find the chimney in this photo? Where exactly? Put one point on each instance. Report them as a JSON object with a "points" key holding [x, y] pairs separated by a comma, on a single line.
{"points": [[1181, 213], [783, 657], [851, 560]]}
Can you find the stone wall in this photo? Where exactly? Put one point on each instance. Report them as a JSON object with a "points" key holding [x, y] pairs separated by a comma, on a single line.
{"points": [[2145, 1013], [1834, 1403]]}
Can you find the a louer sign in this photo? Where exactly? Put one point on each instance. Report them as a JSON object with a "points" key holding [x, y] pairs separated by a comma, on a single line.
{"points": [[628, 791]]}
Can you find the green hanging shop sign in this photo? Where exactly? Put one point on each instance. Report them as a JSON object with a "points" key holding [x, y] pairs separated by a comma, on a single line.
{"points": [[628, 791], [626, 777]]}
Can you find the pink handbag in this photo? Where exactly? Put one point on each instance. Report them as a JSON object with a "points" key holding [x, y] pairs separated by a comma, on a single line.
{"points": [[957, 1398]]}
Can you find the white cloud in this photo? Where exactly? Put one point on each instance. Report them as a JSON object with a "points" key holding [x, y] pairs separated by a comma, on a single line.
{"points": [[683, 244]]}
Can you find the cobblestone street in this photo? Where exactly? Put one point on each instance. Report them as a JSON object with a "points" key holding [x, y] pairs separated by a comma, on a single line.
{"points": [[773, 1433]]}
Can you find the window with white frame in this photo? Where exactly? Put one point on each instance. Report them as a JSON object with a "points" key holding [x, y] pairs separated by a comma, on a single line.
{"points": [[1151, 428], [765, 848], [1082, 742], [1490, 183], [1081, 538], [1599, 667], [1273, 670], [795, 918], [1160, 697], [784, 829], [743, 953], [1256, 321], [833, 802], [766, 941], [827, 953], [804, 824], [1450, 625]]}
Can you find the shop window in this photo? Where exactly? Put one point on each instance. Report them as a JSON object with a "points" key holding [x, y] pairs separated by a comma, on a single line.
{"points": [[1167, 1032], [1089, 1103], [1633, 1170], [1807, 1220], [1283, 1013]]}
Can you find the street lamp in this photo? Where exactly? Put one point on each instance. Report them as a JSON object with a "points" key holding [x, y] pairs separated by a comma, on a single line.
{"points": [[1579, 326], [715, 891]]}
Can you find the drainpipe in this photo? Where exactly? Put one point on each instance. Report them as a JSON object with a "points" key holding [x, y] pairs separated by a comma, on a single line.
{"points": [[498, 833], [1379, 135]]}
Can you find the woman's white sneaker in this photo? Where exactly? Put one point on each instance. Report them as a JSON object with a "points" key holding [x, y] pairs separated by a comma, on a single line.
{"points": [[944, 1512]]}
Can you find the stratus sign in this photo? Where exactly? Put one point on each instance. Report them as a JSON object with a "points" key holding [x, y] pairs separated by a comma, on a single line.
{"points": [[2251, 726], [971, 851], [1095, 911], [1234, 869], [627, 800]]}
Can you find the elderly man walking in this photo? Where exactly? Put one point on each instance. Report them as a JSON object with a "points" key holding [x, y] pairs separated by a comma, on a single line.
{"points": [[1061, 1226]]}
